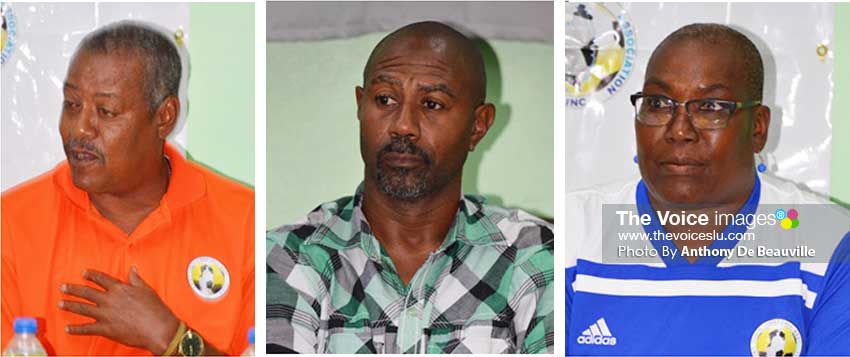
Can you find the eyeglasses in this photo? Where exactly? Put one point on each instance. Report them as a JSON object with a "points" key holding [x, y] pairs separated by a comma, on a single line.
{"points": [[658, 110]]}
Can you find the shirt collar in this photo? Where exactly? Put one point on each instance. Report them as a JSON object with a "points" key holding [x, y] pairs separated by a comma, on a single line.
{"points": [[345, 225], [185, 185]]}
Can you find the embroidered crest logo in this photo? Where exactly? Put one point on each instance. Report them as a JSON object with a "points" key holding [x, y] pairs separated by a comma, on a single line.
{"points": [[208, 278]]}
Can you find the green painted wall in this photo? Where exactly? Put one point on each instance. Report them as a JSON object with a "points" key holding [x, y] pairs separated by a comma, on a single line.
{"points": [[312, 145], [221, 88], [840, 171]]}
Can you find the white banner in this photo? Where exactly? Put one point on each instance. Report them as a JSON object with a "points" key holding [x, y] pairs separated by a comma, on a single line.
{"points": [[38, 42], [795, 42]]}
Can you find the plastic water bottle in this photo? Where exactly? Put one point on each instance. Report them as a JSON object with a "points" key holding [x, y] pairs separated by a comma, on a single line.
{"points": [[250, 350], [25, 343]]}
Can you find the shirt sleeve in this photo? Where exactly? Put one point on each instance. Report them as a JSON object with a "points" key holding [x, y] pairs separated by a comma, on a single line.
{"points": [[240, 341], [535, 318], [570, 277], [829, 329], [294, 290], [10, 296], [576, 224]]}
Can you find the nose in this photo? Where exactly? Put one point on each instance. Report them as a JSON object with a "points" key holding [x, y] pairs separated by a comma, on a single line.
{"points": [[81, 123], [680, 128], [406, 122]]}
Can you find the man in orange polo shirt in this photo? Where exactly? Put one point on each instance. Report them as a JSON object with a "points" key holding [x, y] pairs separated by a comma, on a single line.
{"points": [[126, 248]]}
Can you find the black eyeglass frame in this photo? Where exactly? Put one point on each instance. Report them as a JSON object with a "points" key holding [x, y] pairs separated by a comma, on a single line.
{"points": [[732, 105]]}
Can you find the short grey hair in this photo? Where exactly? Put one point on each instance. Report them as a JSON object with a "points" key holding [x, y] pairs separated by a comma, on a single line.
{"points": [[159, 55]]}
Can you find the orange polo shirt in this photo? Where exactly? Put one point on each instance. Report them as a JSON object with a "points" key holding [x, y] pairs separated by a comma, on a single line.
{"points": [[196, 250]]}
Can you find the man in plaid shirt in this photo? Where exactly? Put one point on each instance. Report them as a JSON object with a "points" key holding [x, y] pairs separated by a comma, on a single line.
{"points": [[409, 264]]}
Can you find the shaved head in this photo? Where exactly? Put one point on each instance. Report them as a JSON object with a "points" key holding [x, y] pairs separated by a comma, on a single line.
{"points": [[421, 111], [454, 48]]}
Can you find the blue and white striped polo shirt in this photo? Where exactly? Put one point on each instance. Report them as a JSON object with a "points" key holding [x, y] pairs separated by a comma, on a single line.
{"points": [[712, 307]]}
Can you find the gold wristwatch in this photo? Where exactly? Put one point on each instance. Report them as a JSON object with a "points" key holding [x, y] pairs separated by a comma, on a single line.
{"points": [[191, 344]]}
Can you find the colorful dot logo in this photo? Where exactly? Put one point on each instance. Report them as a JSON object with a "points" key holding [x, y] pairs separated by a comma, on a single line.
{"points": [[787, 220]]}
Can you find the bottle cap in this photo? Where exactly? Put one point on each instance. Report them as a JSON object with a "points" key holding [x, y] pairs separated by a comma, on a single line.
{"points": [[25, 325]]}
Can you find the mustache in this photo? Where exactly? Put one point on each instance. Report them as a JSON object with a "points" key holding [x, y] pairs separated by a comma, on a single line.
{"points": [[84, 145], [403, 145]]}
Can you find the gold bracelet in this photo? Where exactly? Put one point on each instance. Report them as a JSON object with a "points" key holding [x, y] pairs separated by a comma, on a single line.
{"points": [[176, 340]]}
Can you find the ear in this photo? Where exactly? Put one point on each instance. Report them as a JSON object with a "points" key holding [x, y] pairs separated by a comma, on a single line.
{"points": [[166, 116], [484, 115], [761, 123], [358, 95]]}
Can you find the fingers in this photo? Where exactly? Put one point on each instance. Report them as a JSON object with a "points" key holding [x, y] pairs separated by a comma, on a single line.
{"points": [[100, 278], [135, 279], [80, 308], [86, 329], [85, 292]]}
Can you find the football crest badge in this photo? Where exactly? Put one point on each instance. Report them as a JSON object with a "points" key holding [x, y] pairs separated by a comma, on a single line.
{"points": [[208, 278], [777, 337]]}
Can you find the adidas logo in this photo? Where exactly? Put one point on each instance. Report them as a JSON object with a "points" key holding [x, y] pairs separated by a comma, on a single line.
{"points": [[597, 334]]}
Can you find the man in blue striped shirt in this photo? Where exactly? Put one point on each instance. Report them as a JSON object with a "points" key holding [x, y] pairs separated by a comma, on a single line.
{"points": [[716, 274]]}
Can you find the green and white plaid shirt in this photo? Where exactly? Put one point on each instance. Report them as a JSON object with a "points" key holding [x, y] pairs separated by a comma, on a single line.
{"points": [[332, 288]]}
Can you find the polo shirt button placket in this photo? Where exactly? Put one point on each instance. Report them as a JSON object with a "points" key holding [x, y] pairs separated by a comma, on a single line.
{"points": [[409, 322], [413, 312]]}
